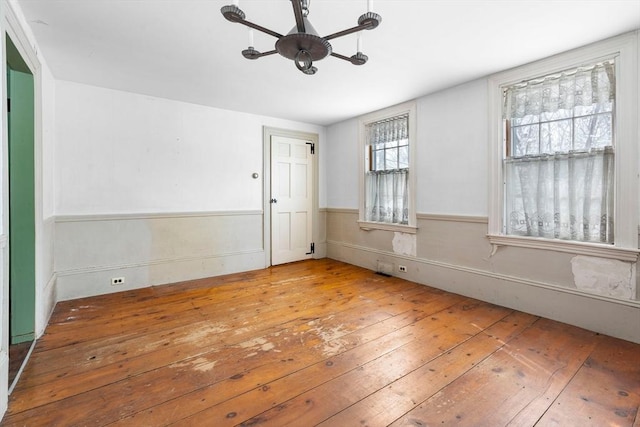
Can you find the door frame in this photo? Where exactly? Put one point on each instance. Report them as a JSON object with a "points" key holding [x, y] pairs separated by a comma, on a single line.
{"points": [[268, 132], [22, 293], [11, 26]]}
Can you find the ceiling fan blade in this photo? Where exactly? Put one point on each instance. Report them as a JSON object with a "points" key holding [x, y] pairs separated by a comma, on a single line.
{"points": [[271, 52], [368, 21], [260, 28]]}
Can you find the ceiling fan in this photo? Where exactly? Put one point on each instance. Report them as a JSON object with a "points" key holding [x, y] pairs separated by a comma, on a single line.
{"points": [[302, 44]]}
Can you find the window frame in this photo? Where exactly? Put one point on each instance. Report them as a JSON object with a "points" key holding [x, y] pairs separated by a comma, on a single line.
{"points": [[625, 51], [364, 159]]}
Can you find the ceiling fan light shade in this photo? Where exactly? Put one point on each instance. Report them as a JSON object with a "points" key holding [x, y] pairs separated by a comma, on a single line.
{"points": [[232, 13], [251, 53], [359, 59], [370, 19]]}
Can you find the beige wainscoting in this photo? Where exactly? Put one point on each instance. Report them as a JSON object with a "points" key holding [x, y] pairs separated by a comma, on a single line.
{"points": [[454, 254], [152, 249]]}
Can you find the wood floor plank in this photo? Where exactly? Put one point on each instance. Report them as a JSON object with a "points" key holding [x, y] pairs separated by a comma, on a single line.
{"points": [[514, 384], [217, 319], [159, 311], [317, 342], [203, 358], [443, 331], [605, 391], [225, 344], [200, 338], [396, 399], [238, 396], [198, 371]]}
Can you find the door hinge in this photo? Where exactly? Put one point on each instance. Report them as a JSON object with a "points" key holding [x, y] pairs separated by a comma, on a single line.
{"points": [[312, 250], [8, 105], [313, 147]]}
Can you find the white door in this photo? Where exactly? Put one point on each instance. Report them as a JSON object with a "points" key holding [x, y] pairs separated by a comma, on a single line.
{"points": [[291, 199]]}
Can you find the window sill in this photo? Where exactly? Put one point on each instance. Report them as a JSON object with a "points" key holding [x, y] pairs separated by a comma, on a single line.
{"points": [[368, 226], [578, 248]]}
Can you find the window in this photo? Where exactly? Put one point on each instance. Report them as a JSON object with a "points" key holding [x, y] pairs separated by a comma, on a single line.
{"points": [[559, 163], [564, 153], [387, 184]]}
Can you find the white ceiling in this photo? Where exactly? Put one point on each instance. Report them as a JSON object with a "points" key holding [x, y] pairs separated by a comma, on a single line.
{"points": [[185, 50]]}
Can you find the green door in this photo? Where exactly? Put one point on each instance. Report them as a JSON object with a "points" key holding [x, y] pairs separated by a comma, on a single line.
{"points": [[21, 198]]}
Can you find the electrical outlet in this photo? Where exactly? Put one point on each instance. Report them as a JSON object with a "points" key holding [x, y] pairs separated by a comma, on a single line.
{"points": [[402, 268], [116, 281]]}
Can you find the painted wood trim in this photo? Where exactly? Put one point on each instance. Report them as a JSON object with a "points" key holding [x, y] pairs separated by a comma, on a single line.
{"points": [[411, 108], [370, 226], [47, 295], [145, 216], [489, 274], [454, 218], [343, 211], [4, 378], [424, 216], [578, 248], [85, 270]]}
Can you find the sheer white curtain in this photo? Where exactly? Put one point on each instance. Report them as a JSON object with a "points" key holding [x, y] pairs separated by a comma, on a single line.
{"points": [[560, 175], [387, 197], [386, 184]]}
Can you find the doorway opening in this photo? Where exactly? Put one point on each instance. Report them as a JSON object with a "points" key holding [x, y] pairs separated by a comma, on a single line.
{"points": [[21, 164]]}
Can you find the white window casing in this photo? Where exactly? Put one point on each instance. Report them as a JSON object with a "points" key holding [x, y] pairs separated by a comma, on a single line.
{"points": [[624, 49], [363, 160]]}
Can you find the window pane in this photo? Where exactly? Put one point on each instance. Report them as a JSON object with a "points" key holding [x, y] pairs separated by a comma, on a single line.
{"points": [[555, 137], [585, 110], [378, 160], [559, 114], [526, 120], [593, 132], [403, 157], [525, 140], [391, 160], [391, 144]]}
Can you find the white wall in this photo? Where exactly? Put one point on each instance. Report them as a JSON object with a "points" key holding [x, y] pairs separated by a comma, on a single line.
{"points": [[342, 164], [119, 152], [452, 151]]}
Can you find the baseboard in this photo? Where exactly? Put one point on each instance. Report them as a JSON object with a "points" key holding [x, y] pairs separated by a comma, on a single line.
{"points": [[49, 299], [617, 318], [81, 283], [320, 250]]}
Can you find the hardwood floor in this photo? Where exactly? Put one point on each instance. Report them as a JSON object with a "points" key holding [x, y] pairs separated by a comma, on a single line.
{"points": [[318, 343]]}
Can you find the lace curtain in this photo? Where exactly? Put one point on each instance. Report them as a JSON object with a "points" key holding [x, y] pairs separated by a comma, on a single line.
{"points": [[386, 198], [560, 172]]}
